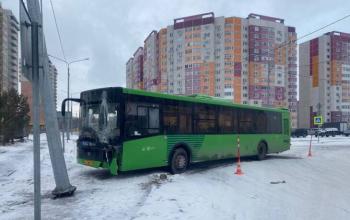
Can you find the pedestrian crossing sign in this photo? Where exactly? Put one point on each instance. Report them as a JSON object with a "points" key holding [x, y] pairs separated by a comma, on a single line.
{"points": [[318, 120]]}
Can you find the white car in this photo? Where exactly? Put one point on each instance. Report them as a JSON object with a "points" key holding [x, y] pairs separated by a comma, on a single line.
{"points": [[347, 132]]}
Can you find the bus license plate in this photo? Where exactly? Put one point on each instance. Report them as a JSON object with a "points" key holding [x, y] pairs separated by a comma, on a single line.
{"points": [[88, 162]]}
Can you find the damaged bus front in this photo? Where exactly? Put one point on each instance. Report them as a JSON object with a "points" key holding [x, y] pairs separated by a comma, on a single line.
{"points": [[100, 141]]}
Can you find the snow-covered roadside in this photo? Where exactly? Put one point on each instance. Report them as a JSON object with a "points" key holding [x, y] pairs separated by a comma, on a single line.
{"points": [[285, 186]]}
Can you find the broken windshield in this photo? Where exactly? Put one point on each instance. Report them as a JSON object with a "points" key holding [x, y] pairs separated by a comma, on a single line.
{"points": [[101, 118]]}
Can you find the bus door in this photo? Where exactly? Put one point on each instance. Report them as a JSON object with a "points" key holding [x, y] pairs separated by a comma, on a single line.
{"points": [[143, 147]]}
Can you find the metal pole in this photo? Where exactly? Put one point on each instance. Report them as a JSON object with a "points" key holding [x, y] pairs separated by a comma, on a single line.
{"points": [[63, 186], [63, 130], [68, 118], [318, 114], [71, 118], [36, 120], [268, 84]]}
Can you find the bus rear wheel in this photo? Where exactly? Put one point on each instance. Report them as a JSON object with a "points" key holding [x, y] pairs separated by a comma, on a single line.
{"points": [[262, 151], [179, 161]]}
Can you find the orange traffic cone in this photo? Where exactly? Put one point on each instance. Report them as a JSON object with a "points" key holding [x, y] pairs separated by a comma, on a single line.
{"points": [[310, 154], [238, 169]]}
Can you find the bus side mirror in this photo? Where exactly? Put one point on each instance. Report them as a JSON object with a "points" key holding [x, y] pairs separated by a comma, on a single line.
{"points": [[63, 106]]}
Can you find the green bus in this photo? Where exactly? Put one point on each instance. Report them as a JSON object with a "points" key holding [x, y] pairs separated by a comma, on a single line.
{"points": [[126, 129]]}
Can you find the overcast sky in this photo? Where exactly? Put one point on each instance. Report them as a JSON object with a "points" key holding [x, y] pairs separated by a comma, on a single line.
{"points": [[109, 31]]}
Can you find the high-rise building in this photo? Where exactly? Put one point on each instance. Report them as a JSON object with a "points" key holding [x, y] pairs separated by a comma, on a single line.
{"points": [[248, 60], [53, 80], [8, 50], [129, 73], [26, 90], [134, 70], [324, 79], [150, 62]]}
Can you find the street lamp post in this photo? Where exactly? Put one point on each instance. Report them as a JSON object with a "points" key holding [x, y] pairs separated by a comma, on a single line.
{"points": [[69, 119]]}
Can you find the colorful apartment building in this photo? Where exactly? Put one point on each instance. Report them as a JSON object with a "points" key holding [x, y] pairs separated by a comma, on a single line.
{"points": [[248, 60], [324, 79]]}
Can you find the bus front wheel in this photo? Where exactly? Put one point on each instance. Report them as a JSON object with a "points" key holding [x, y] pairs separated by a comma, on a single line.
{"points": [[179, 161], [262, 151]]}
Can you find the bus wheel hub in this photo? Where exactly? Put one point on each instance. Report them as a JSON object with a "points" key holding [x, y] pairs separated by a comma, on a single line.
{"points": [[181, 161]]}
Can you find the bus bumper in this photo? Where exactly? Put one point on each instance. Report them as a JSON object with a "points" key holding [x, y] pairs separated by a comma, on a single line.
{"points": [[99, 158], [111, 166]]}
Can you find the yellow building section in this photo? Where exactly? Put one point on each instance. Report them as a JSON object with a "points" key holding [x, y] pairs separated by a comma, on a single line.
{"points": [[315, 74], [235, 56], [162, 60], [258, 74], [237, 85], [345, 92], [280, 55], [233, 20], [335, 73], [238, 59], [207, 78]]}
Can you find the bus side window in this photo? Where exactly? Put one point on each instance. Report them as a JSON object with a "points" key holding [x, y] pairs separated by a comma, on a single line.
{"points": [[274, 122], [177, 118], [170, 122], [246, 121], [153, 125], [131, 122], [148, 119], [205, 119], [226, 120], [185, 119], [261, 122], [141, 119]]}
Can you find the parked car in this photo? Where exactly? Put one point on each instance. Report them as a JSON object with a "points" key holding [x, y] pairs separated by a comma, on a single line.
{"points": [[347, 132], [320, 132], [326, 132], [299, 132], [312, 131]]}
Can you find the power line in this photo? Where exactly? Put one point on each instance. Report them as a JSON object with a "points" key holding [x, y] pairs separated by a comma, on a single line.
{"points": [[286, 43], [57, 29], [321, 28]]}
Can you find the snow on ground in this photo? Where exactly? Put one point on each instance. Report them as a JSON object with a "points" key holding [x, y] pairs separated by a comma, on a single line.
{"points": [[289, 185]]}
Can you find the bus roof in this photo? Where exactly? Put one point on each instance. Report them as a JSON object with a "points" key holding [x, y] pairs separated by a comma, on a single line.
{"points": [[196, 98]]}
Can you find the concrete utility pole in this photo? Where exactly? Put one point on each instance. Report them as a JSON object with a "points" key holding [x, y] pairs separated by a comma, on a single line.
{"points": [[36, 119], [41, 84], [68, 96], [318, 114]]}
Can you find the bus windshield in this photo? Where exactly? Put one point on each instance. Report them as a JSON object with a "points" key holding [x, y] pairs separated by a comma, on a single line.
{"points": [[100, 121]]}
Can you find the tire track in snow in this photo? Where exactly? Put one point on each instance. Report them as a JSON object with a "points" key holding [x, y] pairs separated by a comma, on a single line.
{"points": [[155, 181]]}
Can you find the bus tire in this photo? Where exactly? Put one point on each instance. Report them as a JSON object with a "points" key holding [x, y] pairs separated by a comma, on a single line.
{"points": [[179, 161], [262, 151]]}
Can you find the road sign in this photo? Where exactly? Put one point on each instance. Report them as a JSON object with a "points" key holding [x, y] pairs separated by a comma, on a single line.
{"points": [[318, 120]]}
